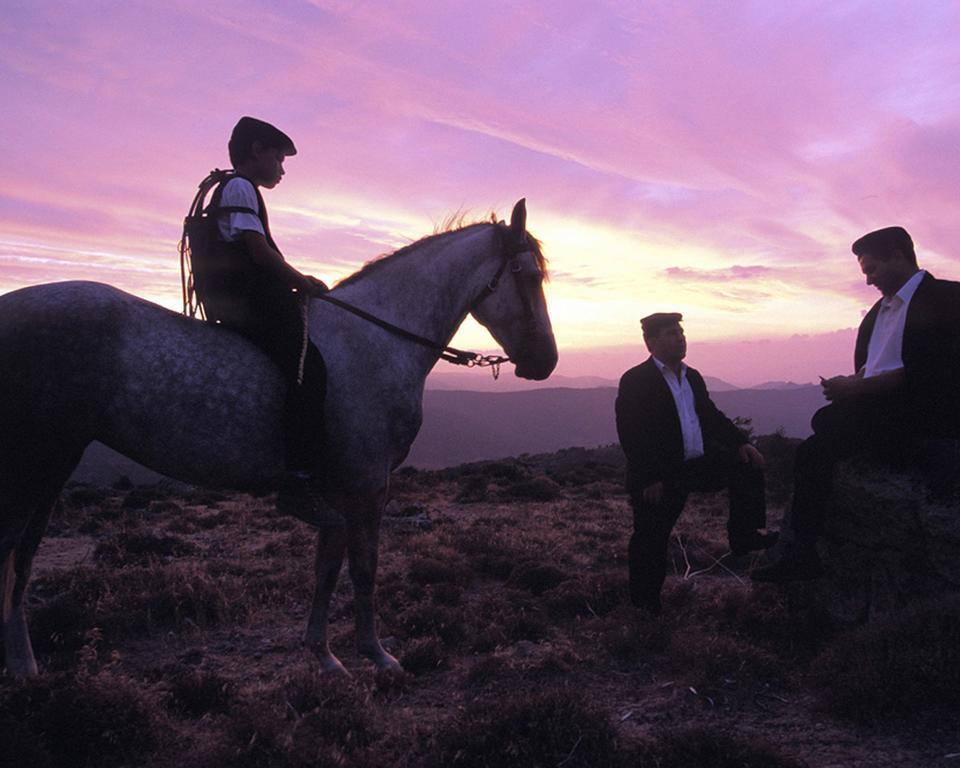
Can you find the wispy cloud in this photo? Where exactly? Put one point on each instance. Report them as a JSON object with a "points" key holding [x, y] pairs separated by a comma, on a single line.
{"points": [[658, 144]]}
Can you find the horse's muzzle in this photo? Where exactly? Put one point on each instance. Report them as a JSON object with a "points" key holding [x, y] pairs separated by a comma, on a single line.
{"points": [[536, 366]]}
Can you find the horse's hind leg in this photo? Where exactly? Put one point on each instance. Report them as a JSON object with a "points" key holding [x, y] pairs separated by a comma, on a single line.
{"points": [[27, 518], [331, 543], [363, 539]]}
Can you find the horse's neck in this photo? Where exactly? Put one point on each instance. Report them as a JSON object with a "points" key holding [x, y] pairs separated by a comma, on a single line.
{"points": [[429, 290]]}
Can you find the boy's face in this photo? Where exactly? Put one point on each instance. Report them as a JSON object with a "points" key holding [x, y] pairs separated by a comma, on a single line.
{"points": [[265, 168]]}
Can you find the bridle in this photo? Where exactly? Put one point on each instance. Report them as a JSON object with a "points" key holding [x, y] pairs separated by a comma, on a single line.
{"points": [[512, 251]]}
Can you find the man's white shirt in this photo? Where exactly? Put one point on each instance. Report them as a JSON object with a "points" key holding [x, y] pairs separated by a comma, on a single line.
{"points": [[885, 350], [686, 409]]}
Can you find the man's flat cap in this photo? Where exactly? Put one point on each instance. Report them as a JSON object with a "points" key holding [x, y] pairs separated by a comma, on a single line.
{"points": [[656, 321], [884, 241], [249, 129]]}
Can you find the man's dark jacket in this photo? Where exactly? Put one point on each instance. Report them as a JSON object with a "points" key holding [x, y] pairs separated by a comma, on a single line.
{"points": [[931, 357], [649, 426]]}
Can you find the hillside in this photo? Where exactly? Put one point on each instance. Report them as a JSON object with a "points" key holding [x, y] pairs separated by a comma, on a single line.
{"points": [[169, 627], [470, 426]]}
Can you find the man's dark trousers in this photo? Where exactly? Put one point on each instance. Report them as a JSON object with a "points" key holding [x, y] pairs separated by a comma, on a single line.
{"points": [[652, 523], [876, 424]]}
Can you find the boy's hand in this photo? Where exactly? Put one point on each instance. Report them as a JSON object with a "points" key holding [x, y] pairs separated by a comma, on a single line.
{"points": [[316, 284]]}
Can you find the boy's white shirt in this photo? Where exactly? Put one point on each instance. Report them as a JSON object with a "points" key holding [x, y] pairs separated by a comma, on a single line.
{"points": [[239, 192]]}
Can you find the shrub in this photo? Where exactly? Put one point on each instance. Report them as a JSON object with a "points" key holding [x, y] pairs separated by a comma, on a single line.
{"points": [[473, 488], [447, 624], [103, 720], [87, 496], [534, 729], [538, 488], [425, 654], [701, 747], [535, 577], [195, 692], [594, 595], [904, 665], [428, 569], [331, 710], [141, 548], [141, 496], [126, 602], [628, 638]]}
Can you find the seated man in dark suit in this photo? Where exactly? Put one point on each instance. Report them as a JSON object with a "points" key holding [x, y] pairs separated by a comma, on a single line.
{"points": [[676, 441], [903, 394]]}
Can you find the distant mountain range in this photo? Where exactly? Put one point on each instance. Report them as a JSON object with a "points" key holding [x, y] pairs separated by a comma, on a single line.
{"points": [[462, 426]]}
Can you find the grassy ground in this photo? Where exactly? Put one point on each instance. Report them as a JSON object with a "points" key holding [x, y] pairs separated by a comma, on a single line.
{"points": [[168, 629]]}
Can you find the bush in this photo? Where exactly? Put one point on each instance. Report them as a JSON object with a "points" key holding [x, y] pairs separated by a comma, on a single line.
{"points": [[428, 569], [56, 721], [196, 692], [80, 496], [907, 664], [533, 729], [539, 488], [141, 549], [703, 747], [424, 654], [535, 577], [473, 488], [126, 602]]}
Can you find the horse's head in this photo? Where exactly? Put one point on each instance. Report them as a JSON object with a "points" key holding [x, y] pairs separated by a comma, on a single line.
{"points": [[512, 305]]}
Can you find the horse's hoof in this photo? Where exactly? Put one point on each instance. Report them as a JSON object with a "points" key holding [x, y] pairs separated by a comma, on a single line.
{"points": [[330, 665], [388, 664], [22, 671]]}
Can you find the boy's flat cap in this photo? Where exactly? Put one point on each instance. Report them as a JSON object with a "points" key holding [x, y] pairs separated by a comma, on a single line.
{"points": [[250, 129]]}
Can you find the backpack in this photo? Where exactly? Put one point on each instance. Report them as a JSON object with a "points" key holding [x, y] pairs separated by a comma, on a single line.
{"points": [[200, 267]]}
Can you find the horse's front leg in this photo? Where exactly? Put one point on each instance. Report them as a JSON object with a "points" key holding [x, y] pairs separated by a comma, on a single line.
{"points": [[331, 543], [363, 538]]}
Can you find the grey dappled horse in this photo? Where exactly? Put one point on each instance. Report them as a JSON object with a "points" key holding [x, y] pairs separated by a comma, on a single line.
{"points": [[83, 361]]}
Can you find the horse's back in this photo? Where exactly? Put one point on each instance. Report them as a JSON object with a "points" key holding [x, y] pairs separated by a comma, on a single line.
{"points": [[89, 361]]}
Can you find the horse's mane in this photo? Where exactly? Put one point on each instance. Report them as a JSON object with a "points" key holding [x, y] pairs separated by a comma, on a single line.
{"points": [[451, 225]]}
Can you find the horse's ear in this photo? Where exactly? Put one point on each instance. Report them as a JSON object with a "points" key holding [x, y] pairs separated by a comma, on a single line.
{"points": [[518, 219]]}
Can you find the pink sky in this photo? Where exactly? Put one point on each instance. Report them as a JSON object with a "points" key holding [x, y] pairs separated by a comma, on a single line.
{"points": [[712, 158]]}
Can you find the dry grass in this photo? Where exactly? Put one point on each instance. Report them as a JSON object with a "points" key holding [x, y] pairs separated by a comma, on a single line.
{"points": [[177, 643]]}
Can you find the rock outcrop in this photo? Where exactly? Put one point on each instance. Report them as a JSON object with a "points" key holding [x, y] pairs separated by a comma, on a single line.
{"points": [[890, 541]]}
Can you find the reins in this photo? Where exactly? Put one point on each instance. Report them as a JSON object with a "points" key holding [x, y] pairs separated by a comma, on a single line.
{"points": [[449, 354]]}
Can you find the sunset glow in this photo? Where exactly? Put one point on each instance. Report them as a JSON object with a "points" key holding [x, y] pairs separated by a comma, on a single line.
{"points": [[712, 158]]}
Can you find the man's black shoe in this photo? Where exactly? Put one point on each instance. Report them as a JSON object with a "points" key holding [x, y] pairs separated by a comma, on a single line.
{"points": [[299, 498], [797, 564], [753, 543]]}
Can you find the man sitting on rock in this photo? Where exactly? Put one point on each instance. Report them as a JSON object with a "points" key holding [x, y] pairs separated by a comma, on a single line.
{"points": [[904, 391], [676, 441]]}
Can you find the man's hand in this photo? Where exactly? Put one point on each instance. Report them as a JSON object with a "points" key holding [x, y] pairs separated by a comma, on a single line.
{"points": [[841, 387], [653, 494], [750, 455]]}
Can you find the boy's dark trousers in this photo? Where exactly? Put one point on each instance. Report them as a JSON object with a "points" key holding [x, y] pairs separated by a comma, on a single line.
{"points": [[652, 523], [277, 327]]}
